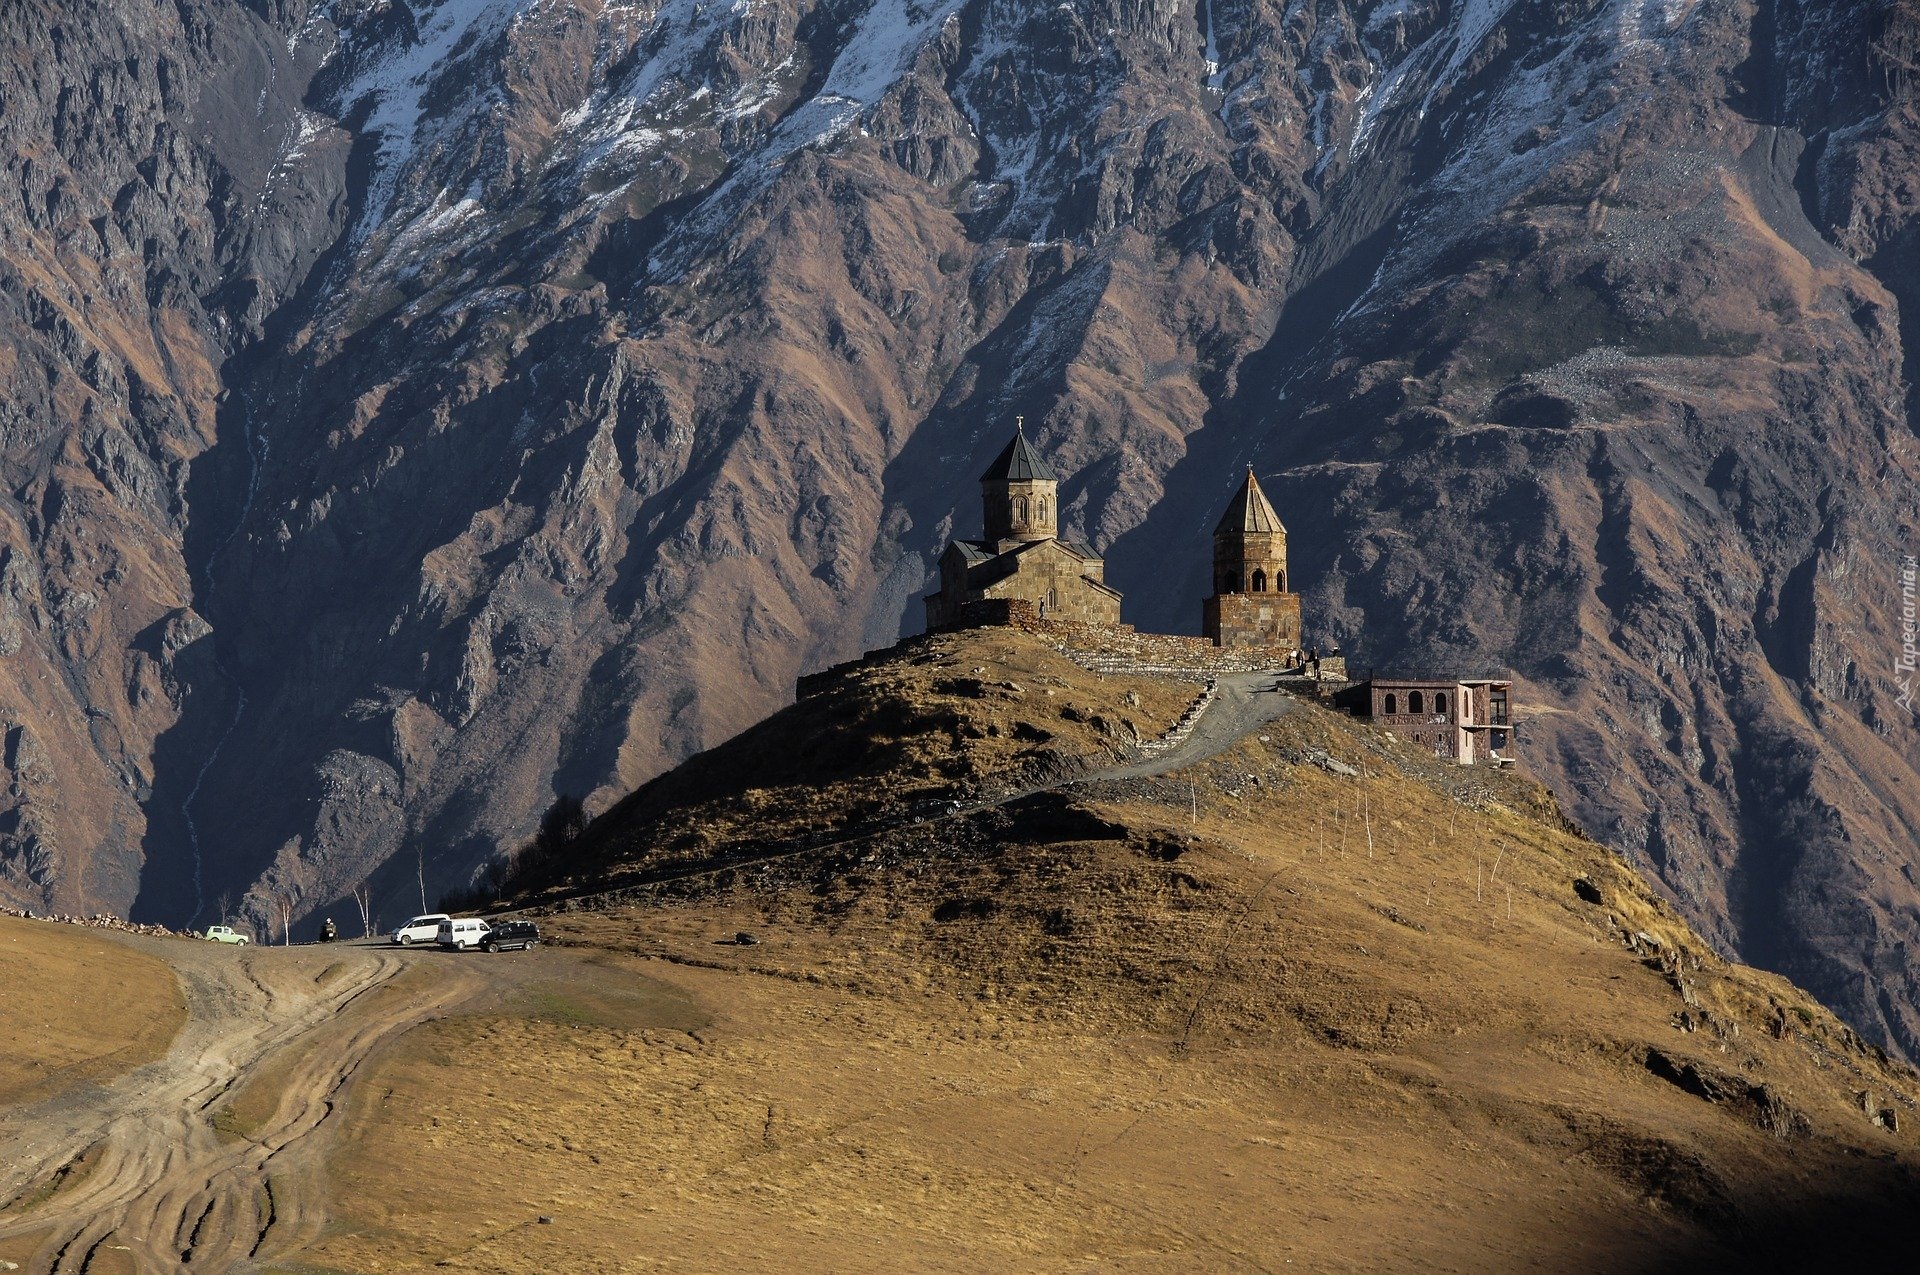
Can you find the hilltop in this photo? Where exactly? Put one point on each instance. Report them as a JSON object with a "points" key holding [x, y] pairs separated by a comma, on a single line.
{"points": [[1027, 982], [1315, 997]]}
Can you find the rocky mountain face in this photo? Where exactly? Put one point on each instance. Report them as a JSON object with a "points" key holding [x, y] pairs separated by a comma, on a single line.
{"points": [[413, 409]]}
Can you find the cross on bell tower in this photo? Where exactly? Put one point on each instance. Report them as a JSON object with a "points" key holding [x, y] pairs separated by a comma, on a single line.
{"points": [[1019, 493]]}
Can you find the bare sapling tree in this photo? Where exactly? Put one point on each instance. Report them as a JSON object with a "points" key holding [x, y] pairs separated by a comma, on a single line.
{"points": [[363, 899], [1366, 810], [225, 904], [420, 871], [281, 902]]}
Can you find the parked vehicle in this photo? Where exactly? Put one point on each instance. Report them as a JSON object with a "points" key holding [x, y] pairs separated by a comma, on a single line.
{"points": [[421, 929], [226, 934], [510, 935], [457, 933]]}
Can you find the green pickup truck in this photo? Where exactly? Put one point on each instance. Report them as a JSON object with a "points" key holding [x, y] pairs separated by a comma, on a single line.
{"points": [[225, 934]]}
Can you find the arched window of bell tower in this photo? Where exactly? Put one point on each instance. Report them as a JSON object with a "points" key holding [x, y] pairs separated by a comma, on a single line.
{"points": [[1259, 582], [1232, 582], [1019, 508]]}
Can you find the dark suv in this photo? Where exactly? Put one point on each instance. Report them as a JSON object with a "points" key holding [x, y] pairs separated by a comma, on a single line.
{"points": [[508, 935]]}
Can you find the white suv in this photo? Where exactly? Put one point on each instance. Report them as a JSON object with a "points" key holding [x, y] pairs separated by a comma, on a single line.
{"points": [[463, 932], [422, 929]]}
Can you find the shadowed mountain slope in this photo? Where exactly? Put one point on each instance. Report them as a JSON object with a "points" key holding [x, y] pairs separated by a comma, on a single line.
{"points": [[411, 410]]}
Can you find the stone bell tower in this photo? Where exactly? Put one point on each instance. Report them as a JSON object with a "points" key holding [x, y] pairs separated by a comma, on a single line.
{"points": [[1250, 605], [1020, 493]]}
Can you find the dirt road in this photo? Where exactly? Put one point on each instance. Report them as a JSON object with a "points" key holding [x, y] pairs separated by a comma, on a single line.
{"points": [[1242, 703], [160, 1189]]}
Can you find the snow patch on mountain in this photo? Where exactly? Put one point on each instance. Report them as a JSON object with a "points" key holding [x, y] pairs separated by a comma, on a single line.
{"points": [[1471, 22], [1644, 21], [394, 81], [1535, 119], [883, 46]]}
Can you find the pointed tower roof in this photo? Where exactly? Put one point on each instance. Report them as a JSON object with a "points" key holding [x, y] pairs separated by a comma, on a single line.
{"points": [[1019, 463], [1249, 510]]}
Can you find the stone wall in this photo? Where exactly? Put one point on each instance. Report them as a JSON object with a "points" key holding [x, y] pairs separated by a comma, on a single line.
{"points": [[1075, 598], [1124, 650], [1120, 648], [1253, 619]]}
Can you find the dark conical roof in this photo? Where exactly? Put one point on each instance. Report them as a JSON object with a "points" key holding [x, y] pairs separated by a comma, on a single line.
{"points": [[1019, 463], [1249, 511]]}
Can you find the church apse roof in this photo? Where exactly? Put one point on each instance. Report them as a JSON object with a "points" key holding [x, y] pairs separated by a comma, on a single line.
{"points": [[1249, 511], [1019, 463]]}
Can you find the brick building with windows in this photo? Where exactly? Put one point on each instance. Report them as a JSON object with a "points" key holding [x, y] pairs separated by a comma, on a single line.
{"points": [[1464, 719]]}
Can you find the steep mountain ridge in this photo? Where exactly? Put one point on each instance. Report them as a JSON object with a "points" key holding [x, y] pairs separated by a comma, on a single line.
{"points": [[591, 369]]}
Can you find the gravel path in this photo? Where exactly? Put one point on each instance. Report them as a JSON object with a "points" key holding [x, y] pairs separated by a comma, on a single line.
{"points": [[1242, 703]]}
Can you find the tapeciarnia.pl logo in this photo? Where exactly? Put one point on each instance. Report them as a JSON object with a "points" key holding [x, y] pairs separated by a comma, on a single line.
{"points": [[1904, 666]]}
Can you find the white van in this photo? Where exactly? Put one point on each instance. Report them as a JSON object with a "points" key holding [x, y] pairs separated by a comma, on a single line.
{"points": [[458, 932], [422, 929]]}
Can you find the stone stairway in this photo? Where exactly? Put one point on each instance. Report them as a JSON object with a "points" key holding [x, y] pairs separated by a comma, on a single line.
{"points": [[1177, 735]]}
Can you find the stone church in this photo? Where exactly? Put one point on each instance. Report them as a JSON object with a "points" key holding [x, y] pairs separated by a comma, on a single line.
{"points": [[1021, 568]]}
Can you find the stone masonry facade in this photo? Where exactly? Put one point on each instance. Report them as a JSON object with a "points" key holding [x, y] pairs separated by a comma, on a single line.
{"points": [[1263, 620], [1022, 562]]}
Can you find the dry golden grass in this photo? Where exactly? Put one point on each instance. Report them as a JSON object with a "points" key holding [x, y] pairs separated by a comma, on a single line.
{"points": [[75, 1007], [1252, 1014], [950, 714]]}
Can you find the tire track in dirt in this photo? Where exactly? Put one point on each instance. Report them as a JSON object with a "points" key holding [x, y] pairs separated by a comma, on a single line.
{"points": [[164, 1190]]}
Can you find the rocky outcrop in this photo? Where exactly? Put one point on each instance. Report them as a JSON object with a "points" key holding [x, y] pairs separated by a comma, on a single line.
{"points": [[414, 409]]}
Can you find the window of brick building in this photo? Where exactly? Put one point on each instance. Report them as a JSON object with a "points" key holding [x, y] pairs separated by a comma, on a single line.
{"points": [[1392, 704], [1416, 703]]}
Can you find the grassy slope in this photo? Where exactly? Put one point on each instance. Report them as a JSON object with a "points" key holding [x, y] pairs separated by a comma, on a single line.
{"points": [[75, 1007], [1192, 1021]]}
